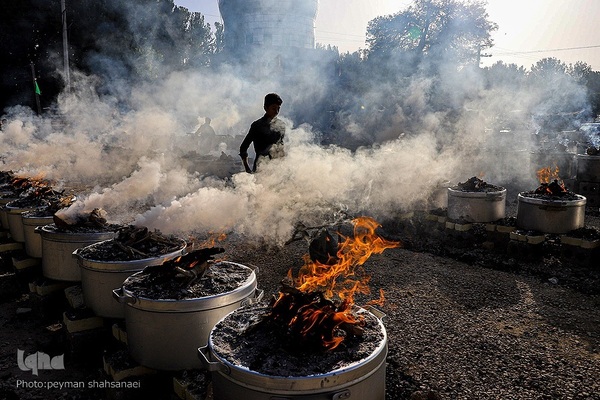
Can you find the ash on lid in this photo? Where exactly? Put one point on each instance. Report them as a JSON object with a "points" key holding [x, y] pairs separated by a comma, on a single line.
{"points": [[312, 326]]}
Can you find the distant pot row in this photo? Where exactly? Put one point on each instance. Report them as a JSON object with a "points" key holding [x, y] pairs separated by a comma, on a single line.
{"points": [[535, 214]]}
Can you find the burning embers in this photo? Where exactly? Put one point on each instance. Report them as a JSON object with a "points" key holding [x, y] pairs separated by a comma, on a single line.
{"points": [[317, 307], [550, 182], [551, 208], [14, 186]]}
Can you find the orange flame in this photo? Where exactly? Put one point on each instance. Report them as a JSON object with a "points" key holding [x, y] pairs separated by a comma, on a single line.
{"points": [[321, 283], [336, 280], [547, 174], [550, 182]]}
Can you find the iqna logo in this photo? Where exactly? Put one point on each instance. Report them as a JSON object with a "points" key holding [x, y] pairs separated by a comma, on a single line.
{"points": [[39, 360]]}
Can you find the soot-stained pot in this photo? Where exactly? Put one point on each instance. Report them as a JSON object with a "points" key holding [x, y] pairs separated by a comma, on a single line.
{"points": [[550, 214], [58, 246], [100, 277], [325, 376], [166, 323]]}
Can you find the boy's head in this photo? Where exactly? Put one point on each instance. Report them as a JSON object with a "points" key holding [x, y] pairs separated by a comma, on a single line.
{"points": [[272, 104], [272, 98]]}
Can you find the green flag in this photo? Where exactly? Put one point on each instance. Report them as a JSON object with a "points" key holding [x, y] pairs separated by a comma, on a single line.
{"points": [[37, 88]]}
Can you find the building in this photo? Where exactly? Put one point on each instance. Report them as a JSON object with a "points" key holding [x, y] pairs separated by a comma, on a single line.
{"points": [[277, 25]]}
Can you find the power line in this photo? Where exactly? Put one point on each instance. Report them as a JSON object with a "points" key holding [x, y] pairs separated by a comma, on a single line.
{"points": [[510, 53], [340, 33]]}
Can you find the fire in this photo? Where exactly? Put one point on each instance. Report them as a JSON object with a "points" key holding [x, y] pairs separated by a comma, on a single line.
{"points": [[550, 182], [336, 280], [318, 307], [212, 239], [32, 186], [547, 174]]}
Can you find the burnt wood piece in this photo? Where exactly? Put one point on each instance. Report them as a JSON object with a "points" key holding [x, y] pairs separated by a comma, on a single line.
{"points": [[554, 188], [130, 250], [592, 151], [193, 265], [96, 218], [324, 248], [311, 318], [139, 241], [131, 235]]}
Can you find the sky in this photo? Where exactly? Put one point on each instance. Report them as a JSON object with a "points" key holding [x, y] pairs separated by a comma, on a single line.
{"points": [[529, 30]]}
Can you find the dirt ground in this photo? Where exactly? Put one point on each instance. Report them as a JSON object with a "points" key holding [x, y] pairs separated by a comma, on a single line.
{"points": [[469, 315]]}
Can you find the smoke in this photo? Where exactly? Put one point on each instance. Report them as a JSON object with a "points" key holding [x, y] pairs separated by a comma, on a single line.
{"points": [[131, 150]]}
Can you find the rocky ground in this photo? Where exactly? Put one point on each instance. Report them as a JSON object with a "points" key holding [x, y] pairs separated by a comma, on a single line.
{"points": [[469, 315]]}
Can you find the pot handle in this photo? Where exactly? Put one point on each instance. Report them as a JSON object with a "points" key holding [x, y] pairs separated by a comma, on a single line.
{"points": [[75, 253], [376, 312], [258, 296], [209, 365], [119, 296], [254, 268]]}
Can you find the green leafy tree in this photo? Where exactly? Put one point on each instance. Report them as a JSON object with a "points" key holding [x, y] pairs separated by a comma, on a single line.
{"points": [[436, 31]]}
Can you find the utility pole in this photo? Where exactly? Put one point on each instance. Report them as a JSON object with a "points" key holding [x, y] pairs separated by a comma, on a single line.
{"points": [[36, 90], [479, 55], [65, 45]]}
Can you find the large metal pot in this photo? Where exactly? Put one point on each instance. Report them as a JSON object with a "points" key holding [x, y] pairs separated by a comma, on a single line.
{"points": [[364, 379], [58, 247], [588, 168], [438, 198], [165, 334], [100, 278], [550, 216], [33, 240], [15, 223], [3, 212], [476, 206]]}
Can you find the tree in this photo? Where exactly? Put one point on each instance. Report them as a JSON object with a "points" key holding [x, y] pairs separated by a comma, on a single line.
{"points": [[219, 37], [509, 76], [548, 68], [584, 75], [436, 31], [559, 97], [119, 42]]}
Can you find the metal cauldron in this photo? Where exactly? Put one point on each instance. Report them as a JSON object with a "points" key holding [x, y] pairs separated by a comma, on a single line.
{"points": [[550, 216], [165, 334], [58, 247], [33, 240], [99, 278], [15, 222], [3, 212], [588, 168], [476, 206], [364, 379]]}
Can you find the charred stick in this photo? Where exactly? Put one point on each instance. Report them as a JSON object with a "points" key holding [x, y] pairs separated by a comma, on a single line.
{"points": [[130, 250], [136, 241], [193, 274], [160, 239], [351, 329]]}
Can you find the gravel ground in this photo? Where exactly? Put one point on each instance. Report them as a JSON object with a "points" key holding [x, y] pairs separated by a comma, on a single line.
{"points": [[467, 316], [468, 331]]}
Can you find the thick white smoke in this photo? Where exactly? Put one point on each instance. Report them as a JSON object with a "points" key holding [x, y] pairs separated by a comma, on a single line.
{"points": [[137, 157]]}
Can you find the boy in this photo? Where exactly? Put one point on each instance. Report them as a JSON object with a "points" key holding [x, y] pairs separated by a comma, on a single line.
{"points": [[266, 133]]}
